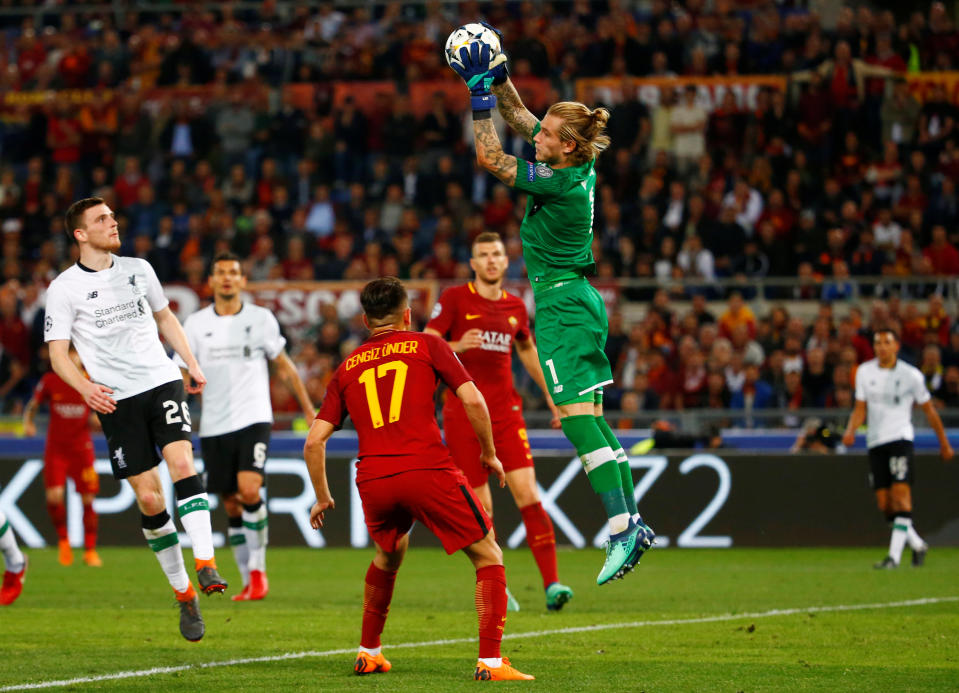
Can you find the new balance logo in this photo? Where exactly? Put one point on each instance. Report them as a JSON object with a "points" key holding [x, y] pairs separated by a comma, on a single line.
{"points": [[133, 280], [208, 334], [473, 316], [118, 456], [92, 294]]}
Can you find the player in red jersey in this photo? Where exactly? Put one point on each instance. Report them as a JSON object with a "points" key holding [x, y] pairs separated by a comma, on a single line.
{"points": [[483, 323], [404, 473], [68, 453]]}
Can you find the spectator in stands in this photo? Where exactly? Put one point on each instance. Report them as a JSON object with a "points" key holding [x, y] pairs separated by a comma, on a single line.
{"points": [[688, 122], [695, 261], [737, 313], [755, 393], [942, 255], [937, 121]]}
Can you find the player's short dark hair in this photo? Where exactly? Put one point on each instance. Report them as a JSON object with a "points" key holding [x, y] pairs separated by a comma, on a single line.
{"points": [[384, 297], [73, 219], [488, 237], [226, 256], [889, 330]]}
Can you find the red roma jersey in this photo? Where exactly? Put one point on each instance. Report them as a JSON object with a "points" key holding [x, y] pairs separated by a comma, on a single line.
{"points": [[460, 309], [386, 387], [69, 427]]}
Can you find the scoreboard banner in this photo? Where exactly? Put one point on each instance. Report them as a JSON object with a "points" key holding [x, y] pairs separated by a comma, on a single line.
{"points": [[297, 304], [698, 500], [710, 90], [536, 92]]}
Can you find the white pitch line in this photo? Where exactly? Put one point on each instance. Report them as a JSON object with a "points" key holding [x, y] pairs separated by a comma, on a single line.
{"points": [[458, 641]]}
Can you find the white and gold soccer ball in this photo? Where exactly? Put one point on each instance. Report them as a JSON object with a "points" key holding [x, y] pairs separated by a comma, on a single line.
{"points": [[465, 35]]}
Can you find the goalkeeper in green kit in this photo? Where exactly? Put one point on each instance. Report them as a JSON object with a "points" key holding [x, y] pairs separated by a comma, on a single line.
{"points": [[557, 234]]}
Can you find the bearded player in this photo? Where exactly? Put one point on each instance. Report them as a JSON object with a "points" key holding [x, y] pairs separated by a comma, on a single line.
{"points": [[483, 323], [571, 320]]}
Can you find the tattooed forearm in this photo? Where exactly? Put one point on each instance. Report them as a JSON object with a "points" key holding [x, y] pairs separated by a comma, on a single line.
{"points": [[513, 111], [490, 154]]}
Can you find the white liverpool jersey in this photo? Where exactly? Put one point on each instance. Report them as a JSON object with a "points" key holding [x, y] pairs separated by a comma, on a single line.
{"points": [[233, 351], [889, 394], [108, 315]]}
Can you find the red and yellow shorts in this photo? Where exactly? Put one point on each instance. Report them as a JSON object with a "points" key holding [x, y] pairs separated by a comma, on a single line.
{"points": [[509, 437], [77, 464]]}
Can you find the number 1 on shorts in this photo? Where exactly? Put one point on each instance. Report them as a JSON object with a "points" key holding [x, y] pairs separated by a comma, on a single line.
{"points": [[552, 371]]}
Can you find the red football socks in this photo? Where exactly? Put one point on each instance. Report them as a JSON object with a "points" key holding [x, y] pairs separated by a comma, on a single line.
{"points": [[542, 541], [58, 514], [90, 525], [376, 604], [491, 609]]}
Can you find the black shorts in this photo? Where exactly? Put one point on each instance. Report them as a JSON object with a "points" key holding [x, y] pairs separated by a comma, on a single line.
{"points": [[238, 451], [144, 423], [890, 463]]}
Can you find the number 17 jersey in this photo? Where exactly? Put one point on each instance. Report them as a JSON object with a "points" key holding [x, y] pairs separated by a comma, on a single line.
{"points": [[386, 387]]}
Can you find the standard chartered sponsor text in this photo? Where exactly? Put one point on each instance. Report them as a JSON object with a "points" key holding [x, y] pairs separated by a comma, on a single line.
{"points": [[115, 313]]}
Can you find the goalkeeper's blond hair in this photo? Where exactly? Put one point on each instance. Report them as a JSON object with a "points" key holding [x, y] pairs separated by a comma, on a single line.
{"points": [[582, 126]]}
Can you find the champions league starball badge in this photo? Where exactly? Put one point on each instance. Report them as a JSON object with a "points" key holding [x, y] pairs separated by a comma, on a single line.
{"points": [[543, 171]]}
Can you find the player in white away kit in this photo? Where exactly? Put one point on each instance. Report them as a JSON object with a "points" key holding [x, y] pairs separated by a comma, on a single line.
{"points": [[111, 308], [234, 342], [886, 389]]}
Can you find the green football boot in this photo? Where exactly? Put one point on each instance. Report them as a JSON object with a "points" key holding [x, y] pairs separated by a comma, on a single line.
{"points": [[557, 595], [620, 548]]}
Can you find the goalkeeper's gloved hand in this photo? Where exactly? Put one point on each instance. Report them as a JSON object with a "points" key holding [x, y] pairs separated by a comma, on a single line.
{"points": [[500, 72], [478, 71]]}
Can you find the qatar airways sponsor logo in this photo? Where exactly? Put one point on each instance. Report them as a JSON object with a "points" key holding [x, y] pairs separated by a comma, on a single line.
{"points": [[496, 341], [70, 411]]}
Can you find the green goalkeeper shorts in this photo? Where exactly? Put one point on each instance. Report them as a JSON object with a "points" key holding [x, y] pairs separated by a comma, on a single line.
{"points": [[571, 329]]}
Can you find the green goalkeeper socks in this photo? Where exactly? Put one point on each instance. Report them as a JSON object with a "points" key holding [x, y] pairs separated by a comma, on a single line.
{"points": [[599, 461], [625, 472]]}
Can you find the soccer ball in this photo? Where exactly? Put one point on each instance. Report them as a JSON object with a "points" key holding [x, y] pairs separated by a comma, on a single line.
{"points": [[467, 34]]}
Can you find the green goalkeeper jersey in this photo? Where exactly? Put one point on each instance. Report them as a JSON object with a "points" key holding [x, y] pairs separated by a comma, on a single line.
{"points": [[557, 231]]}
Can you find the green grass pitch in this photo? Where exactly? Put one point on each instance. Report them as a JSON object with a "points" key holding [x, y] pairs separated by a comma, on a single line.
{"points": [[686, 620]]}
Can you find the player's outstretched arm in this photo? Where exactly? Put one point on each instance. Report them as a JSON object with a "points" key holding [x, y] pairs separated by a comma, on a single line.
{"points": [[286, 369], [314, 452], [173, 333], [511, 107], [945, 448], [96, 396], [490, 154], [856, 420], [529, 357], [479, 69], [475, 406], [29, 417], [471, 339]]}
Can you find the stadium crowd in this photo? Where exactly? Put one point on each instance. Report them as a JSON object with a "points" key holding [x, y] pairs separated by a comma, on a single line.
{"points": [[842, 175]]}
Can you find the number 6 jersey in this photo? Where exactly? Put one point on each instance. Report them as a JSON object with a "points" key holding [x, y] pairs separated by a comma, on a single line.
{"points": [[889, 394], [233, 351], [386, 386]]}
